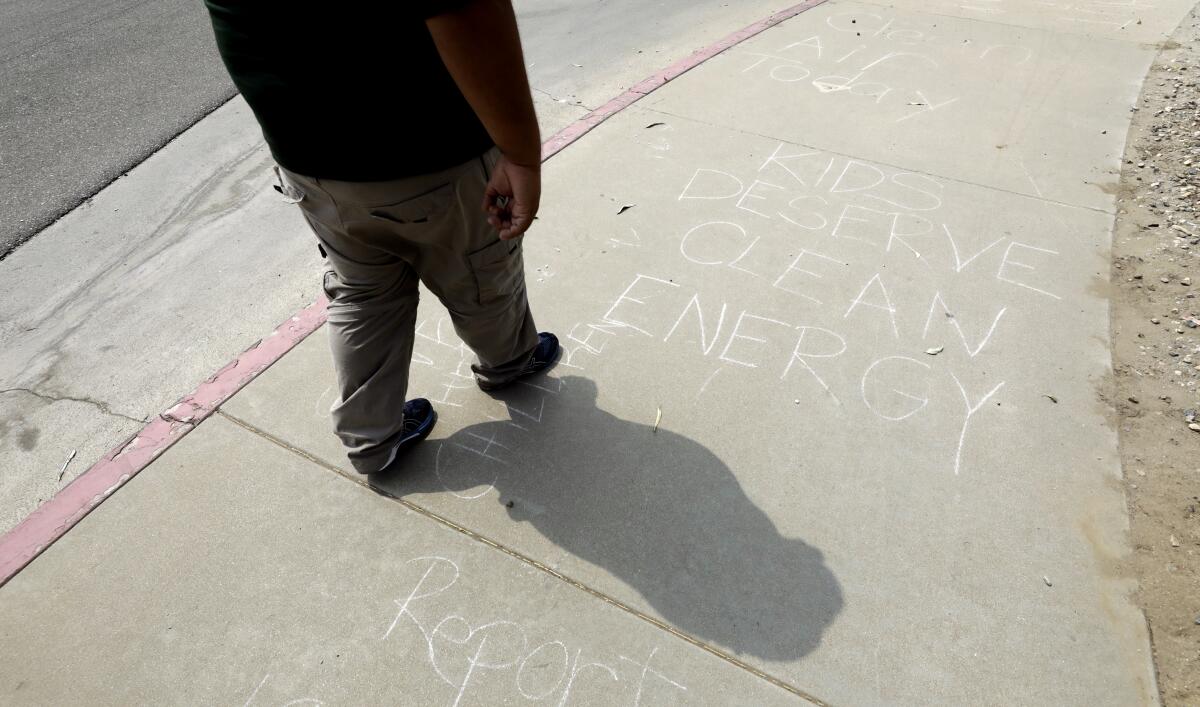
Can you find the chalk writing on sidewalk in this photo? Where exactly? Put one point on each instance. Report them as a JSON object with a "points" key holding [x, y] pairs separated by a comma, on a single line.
{"points": [[466, 653], [836, 240], [486, 659], [877, 62], [254, 698]]}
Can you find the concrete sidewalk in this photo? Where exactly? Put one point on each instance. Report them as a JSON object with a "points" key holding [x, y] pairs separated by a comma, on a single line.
{"points": [[827, 427]]}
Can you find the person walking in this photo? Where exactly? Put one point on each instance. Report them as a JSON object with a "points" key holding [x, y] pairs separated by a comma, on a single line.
{"points": [[406, 134]]}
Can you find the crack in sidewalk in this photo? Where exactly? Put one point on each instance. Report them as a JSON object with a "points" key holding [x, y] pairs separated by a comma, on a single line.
{"points": [[563, 101], [99, 405]]}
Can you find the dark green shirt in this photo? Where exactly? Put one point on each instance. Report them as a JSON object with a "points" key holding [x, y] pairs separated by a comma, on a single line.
{"points": [[350, 90]]}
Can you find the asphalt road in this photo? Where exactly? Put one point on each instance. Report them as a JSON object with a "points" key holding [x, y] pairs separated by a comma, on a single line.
{"points": [[90, 89]]}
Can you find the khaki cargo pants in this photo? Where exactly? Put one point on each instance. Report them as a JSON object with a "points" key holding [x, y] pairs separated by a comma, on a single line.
{"points": [[380, 238]]}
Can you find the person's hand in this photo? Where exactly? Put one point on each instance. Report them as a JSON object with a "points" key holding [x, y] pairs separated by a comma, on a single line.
{"points": [[512, 197]]}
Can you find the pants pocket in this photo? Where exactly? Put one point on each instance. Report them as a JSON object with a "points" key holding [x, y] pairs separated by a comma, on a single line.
{"points": [[420, 210], [498, 269], [287, 190], [329, 283]]}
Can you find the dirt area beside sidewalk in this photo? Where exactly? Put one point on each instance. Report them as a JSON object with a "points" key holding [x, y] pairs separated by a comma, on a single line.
{"points": [[1156, 356]]}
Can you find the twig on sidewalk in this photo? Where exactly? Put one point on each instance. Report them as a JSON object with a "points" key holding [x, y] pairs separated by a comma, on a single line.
{"points": [[63, 470]]}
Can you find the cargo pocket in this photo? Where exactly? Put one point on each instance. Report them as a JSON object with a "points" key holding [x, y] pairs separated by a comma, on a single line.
{"points": [[419, 210], [498, 270], [329, 283]]}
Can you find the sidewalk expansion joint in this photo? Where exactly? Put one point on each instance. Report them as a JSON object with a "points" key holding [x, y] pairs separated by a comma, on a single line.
{"points": [[101, 406], [847, 155], [517, 555], [945, 16]]}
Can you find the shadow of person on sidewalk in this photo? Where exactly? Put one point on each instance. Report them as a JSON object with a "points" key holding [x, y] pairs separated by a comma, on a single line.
{"points": [[657, 510]]}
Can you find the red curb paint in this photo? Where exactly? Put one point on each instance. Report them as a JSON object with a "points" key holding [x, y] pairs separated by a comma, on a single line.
{"points": [[584, 125], [53, 519]]}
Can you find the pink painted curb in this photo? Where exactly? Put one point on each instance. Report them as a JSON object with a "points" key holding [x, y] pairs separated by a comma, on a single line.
{"points": [[52, 520]]}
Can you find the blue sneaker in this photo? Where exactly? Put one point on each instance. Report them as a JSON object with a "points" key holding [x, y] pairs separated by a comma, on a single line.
{"points": [[544, 356], [419, 419]]}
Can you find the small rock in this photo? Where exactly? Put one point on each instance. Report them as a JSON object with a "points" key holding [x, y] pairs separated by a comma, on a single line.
{"points": [[1155, 320], [1194, 427], [1174, 542], [1187, 281], [1189, 415], [1133, 399]]}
